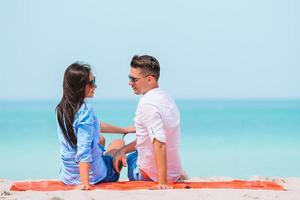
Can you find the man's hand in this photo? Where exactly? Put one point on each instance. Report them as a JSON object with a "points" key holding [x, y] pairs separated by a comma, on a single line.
{"points": [[120, 160], [161, 187]]}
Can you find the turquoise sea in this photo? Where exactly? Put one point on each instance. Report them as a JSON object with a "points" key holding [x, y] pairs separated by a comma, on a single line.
{"points": [[235, 138]]}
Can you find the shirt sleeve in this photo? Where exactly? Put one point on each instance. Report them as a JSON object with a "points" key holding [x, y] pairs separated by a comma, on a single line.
{"points": [[85, 130], [151, 119]]}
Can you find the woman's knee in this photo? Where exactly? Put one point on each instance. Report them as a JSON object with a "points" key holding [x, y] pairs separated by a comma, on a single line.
{"points": [[102, 140], [118, 143], [114, 147]]}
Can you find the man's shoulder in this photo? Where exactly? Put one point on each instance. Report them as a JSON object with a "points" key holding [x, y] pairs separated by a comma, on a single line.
{"points": [[147, 103], [159, 100], [156, 94]]}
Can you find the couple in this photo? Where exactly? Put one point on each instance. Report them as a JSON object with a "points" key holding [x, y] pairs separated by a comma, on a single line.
{"points": [[153, 156]]}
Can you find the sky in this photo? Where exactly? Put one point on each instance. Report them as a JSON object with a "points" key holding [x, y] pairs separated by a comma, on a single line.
{"points": [[233, 49]]}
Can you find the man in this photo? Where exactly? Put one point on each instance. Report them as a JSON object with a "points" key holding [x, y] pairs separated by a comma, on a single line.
{"points": [[155, 151]]}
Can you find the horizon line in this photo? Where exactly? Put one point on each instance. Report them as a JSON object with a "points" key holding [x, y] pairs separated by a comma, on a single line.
{"points": [[177, 99]]}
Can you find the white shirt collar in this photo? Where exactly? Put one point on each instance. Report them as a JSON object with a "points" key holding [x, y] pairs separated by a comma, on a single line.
{"points": [[154, 90]]}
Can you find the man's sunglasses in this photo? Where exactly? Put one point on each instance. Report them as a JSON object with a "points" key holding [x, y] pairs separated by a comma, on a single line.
{"points": [[92, 82], [135, 79]]}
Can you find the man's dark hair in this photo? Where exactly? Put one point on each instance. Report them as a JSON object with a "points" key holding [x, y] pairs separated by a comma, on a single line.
{"points": [[148, 64]]}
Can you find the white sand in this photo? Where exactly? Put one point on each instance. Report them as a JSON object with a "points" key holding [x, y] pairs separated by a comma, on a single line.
{"points": [[292, 185]]}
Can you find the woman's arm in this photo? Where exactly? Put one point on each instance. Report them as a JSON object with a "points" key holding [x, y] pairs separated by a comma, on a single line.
{"points": [[108, 128], [84, 169]]}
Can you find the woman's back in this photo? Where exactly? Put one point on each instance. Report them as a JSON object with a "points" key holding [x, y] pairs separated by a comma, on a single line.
{"points": [[86, 129]]}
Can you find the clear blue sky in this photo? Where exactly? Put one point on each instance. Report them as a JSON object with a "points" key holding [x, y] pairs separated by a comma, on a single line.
{"points": [[207, 49]]}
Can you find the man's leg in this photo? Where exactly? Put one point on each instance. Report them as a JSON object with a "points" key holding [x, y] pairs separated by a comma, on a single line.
{"points": [[133, 170]]}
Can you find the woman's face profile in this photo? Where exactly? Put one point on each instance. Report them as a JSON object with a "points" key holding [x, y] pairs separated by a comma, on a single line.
{"points": [[90, 87]]}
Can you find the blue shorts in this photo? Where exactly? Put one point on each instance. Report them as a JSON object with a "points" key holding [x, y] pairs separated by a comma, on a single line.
{"points": [[133, 170], [111, 175]]}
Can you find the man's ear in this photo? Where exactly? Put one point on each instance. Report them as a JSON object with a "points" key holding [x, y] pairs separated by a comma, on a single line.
{"points": [[151, 78]]}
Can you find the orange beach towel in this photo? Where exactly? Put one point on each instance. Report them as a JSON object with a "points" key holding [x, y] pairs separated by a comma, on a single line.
{"points": [[49, 185]]}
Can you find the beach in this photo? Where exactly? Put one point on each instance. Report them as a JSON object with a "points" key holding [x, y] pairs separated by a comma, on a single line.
{"points": [[291, 185], [230, 66]]}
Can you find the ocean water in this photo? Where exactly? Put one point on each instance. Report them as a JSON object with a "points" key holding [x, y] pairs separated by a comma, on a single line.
{"points": [[232, 138]]}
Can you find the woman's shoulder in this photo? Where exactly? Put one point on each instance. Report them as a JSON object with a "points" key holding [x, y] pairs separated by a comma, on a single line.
{"points": [[85, 113], [85, 107]]}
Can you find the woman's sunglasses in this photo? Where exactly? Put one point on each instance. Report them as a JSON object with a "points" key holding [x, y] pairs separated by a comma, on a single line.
{"points": [[92, 82]]}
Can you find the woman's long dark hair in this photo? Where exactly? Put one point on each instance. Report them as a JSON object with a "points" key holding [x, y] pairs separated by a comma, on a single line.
{"points": [[75, 79]]}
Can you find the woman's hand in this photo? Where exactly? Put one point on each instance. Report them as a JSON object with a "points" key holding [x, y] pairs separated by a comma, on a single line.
{"points": [[161, 187], [82, 187]]}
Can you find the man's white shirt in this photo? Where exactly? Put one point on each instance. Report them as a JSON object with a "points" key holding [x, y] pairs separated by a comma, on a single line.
{"points": [[157, 117]]}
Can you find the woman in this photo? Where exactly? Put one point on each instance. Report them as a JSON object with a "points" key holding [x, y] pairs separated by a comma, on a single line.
{"points": [[83, 161]]}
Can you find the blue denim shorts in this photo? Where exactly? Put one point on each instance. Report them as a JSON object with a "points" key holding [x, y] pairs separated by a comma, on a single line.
{"points": [[133, 170], [111, 175]]}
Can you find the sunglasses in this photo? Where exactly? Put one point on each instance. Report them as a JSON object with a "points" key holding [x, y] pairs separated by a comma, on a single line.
{"points": [[92, 82], [135, 79]]}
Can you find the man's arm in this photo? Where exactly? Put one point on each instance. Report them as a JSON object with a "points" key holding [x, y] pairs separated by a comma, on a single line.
{"points": [[161, 164], [151, 119], [129, 147], [120, 157]]}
